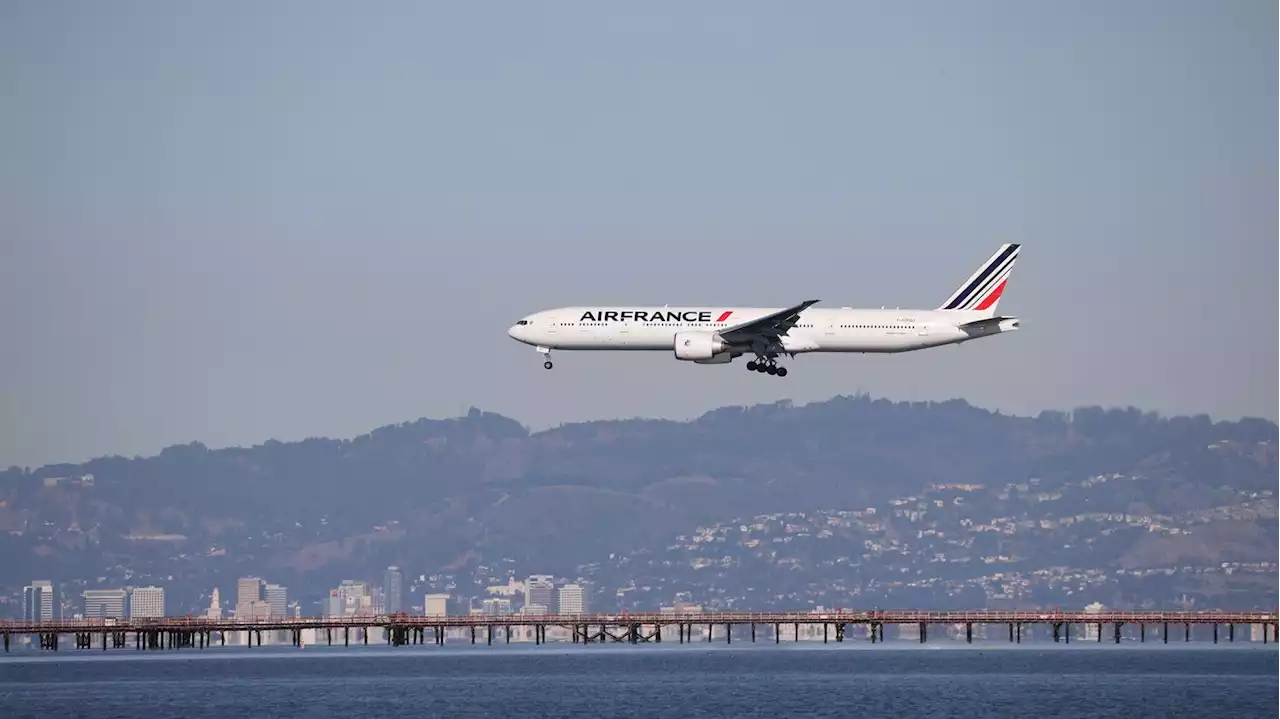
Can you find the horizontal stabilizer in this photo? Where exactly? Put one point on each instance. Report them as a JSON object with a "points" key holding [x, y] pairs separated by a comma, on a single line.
{"points": [[990, 324]]}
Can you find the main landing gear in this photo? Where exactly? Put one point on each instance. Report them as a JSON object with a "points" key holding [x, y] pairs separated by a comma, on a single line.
{"points": [[768, 366]]}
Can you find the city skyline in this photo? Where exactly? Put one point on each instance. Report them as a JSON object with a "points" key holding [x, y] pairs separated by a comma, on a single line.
{"points": [[350, 597]]}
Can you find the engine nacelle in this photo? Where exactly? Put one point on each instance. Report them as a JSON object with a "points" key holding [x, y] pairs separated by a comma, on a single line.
{"points": [[695, 346], [722, 358]]}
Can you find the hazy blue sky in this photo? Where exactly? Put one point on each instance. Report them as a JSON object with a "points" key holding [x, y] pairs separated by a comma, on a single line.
{"points": [[234, 221]]}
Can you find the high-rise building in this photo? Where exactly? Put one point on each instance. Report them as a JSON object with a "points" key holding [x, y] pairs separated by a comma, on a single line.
{"points": [[539, 589], [248, 589], [393, 590], [146, 602], [436, 605], [104, 603], [38, 601], [250, 601], [572, 600], [277, 597]]}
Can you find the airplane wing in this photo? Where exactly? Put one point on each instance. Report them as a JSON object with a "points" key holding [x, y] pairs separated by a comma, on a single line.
{"points": [[769, 327]]}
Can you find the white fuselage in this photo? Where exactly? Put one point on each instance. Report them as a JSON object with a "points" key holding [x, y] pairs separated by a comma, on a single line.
{"points": [[818, 330]]}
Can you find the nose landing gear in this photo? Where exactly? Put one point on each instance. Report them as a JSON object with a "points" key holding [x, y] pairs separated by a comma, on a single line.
{"points": [[546, 355]]}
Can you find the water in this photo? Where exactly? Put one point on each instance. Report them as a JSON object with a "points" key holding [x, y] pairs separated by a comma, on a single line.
{"points": [[675, 681]]}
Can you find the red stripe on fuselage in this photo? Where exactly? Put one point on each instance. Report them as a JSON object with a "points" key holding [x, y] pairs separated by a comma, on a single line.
{"points": [[991, 298], [725, 316]]}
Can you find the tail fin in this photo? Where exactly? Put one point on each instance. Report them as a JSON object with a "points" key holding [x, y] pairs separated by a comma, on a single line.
{"points": [[981, 292]]}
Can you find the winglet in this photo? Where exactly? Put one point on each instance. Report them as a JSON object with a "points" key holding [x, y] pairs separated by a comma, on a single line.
{"points": [[981, 292]]}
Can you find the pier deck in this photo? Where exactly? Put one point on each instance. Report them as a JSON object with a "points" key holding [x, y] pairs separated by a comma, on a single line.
{"points": [[402, 629]]}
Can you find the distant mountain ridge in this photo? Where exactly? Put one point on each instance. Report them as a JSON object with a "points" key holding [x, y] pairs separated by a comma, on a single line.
{"points": [[471, 495]]}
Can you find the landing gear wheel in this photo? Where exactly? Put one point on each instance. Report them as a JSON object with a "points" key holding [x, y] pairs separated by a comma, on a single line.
{"points": [[771, 369], [547, 364], [751, 365], [782, 371]]}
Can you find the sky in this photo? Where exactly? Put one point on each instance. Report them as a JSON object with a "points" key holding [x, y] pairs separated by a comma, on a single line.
{"points": [[237, 221]]}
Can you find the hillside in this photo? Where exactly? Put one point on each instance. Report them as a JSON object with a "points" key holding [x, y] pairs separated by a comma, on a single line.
{"points": [[845, 501]]}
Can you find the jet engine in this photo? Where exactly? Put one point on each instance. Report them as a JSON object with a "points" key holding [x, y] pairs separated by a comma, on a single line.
{"points": [[696, 346], [722, 358]]}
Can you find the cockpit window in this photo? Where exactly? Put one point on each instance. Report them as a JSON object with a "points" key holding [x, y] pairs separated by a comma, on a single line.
{"points": [[523, 322]]}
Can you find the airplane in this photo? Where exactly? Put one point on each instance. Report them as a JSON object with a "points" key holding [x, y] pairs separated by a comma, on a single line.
{"points": [[718, 335]]}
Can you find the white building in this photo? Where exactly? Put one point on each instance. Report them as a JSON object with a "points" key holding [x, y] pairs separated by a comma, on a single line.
{"points": [[436, 605], [277, 597], [104, 603], [510, 589], [572, 600], [248, 589], [38, 601], [146, 602]]}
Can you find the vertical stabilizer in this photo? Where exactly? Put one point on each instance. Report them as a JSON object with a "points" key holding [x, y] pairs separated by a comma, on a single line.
{"points": [[981, 292]]}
